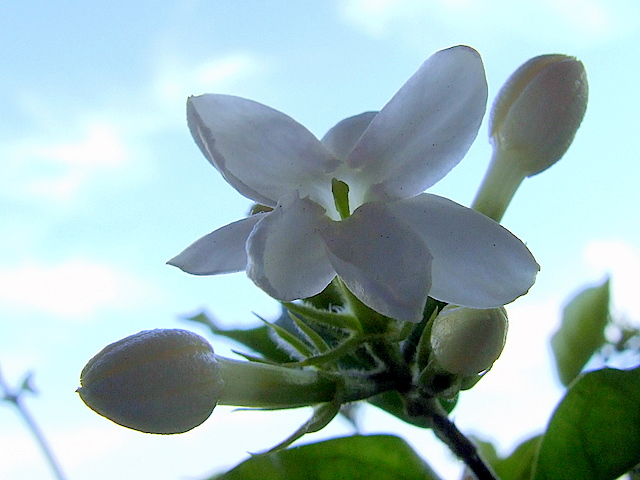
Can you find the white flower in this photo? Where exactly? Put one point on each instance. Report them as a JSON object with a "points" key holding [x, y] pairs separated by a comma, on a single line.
{"points": [[398, 245]]}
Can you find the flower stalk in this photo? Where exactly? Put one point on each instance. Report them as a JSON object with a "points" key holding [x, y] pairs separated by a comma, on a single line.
{"points": [[500, 184], [261, 385]]}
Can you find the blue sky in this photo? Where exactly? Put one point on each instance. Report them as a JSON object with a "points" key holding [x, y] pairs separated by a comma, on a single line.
{"points": [[100, 184]]}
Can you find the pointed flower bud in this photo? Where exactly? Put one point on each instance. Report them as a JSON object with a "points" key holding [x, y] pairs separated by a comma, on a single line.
{"points": [[539, 109], [466, 341], [533, 121], [156, 381]]}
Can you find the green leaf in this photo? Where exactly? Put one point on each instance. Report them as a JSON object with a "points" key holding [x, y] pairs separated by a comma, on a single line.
{"points": [[518, 465], [257, 339], [374, 457], [581, 333], [594, 432]]}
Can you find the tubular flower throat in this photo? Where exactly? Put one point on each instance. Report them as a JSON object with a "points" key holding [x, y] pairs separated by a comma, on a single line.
{"points": [[352, 205]]}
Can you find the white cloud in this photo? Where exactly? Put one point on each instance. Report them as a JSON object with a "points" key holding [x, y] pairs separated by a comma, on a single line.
{"points": [[73, 290], [101, 145], [176, 82], [57, 170], [621, 261], [584, 17], [374, 17], [576, 21]]}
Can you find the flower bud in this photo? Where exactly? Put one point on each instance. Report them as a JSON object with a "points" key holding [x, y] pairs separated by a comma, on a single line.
{"points": [[533, 121], [466, 341], [538, 111], [156, 381]]}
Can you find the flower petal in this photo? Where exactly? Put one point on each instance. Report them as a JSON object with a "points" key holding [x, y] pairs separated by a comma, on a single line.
{"points": [[477, 263], [426, 128], [286, 254], [343, 136], [382, 261], [221, 251], [262, 153]]}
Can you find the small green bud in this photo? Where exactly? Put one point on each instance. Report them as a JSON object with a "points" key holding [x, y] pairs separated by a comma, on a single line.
{"points": [[156, 381], [466, 341]]}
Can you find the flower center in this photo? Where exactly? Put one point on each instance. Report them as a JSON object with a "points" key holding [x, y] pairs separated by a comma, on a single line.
{"points": [[340, 192]]}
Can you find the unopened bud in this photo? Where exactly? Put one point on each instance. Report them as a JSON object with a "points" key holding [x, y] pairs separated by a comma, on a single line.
{"points": [[467, 341], [538, 111], [533, 121], [156, 381]]}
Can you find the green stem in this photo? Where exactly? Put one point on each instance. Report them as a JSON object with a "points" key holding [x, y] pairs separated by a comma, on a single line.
{"points": [[499, 185], [435, 416]]}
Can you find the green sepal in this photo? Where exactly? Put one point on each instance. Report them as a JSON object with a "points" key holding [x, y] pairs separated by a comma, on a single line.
{"points": [[423, 351], [257, 339], [371, 457], [254, 358], [310, 334], [337, 353], [322, 415], [327, 318], [449, 403], [581, 332], [410, 346], [469, 382], [288, 341], [594, 432], [329, 299]]}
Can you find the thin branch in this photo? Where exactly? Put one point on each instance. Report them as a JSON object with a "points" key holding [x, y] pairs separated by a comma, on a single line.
{"points": [[449, 434], [15, 398]]}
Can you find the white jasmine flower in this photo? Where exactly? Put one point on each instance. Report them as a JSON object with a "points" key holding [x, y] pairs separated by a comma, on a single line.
{"points": [[391, 244]]}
